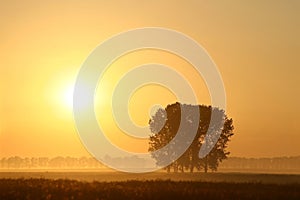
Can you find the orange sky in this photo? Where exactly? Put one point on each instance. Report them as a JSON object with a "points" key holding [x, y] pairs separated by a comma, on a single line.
{"points": [[255, 44]]}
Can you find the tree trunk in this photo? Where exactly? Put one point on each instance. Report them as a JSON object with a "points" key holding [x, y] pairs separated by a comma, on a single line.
{"points": [[191, 169], [175, 167], [182, 169], [168, 169], [206, 164]]}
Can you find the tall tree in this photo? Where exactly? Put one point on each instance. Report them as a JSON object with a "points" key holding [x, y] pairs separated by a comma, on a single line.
{"points": [[165, 125]]}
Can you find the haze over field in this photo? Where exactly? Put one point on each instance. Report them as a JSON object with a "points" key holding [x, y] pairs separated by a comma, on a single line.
{"points": [[255, 45]]}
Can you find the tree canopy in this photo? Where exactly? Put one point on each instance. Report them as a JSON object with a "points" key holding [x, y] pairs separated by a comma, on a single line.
{"points": [[175, 126]]}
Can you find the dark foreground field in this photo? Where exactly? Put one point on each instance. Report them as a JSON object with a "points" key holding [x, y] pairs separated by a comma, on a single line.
{"points": [[147, 189]]}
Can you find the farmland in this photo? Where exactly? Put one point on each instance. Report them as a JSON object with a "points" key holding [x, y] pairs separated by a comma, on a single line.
{"points": [[159, 185]]}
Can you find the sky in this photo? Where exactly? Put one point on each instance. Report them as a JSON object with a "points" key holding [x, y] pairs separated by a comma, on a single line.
{"points": [[255, 45]]}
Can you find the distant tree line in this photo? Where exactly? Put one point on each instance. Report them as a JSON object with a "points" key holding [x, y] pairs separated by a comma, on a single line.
{"points": [[17, 162], [123, 162], [232, 163], [268, 164]]}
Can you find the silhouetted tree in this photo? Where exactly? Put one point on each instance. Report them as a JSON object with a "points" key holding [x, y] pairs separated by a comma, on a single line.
{"points": [[177, 118]]}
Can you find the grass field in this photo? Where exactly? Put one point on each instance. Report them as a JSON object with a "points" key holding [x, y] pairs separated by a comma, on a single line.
{"points": [[108, 176], [116, 185]]}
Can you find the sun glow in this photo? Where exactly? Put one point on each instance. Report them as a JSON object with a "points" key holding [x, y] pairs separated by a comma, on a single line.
{"points": [[67, 98], [62, 98], [60, 91]]}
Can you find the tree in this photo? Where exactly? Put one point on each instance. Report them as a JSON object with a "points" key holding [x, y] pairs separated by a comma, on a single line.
{"points": [[165, 125]]}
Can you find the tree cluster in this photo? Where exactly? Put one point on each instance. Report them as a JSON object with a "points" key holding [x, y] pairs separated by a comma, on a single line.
{"points": [[166, 124]]}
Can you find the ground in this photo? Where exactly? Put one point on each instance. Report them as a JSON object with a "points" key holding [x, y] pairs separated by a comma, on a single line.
{"points": [[160, 185]]}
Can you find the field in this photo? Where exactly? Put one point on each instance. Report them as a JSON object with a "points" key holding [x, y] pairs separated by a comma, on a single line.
{"points": [[160, 185]]}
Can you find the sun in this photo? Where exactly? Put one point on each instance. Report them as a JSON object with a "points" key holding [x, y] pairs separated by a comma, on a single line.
{"points": [[62, 98], [59, 93], [67, 96]]}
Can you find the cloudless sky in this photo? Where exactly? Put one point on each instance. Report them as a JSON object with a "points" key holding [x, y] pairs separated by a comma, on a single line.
{"points": [[255, 44]]}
